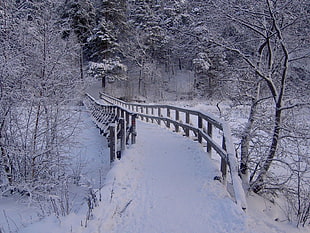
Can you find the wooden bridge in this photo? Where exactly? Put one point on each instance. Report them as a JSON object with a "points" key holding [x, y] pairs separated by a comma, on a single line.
{"points": [[115, 123], [116, 120]]}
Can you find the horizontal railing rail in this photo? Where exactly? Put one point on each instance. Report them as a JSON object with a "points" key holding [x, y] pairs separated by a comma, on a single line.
{"points": [[211, 132]]}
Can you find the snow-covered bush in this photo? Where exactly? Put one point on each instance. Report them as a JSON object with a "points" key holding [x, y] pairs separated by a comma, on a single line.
{"points": [[202, 63], [112, 69]]}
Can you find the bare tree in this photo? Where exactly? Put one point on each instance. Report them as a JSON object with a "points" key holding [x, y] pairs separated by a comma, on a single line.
{"points": [[38, 81], [267, 42], [271, 38]]}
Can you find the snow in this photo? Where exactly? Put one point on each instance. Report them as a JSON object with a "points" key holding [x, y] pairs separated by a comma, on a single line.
{"points": [[163, 183], [91, 154], [90, 164]]}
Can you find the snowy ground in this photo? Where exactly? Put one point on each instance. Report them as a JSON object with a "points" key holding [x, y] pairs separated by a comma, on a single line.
{"points": [[90, 164], [164, 183]]}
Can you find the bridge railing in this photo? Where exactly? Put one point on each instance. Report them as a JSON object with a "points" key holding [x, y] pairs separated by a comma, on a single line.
{"points": [[115, 123], [211, 132]]}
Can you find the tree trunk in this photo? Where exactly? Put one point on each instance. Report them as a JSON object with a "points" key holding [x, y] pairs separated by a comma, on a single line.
{"points": [[35, 138], [140, 81], [245, 144], [103, 82], [258, 184], [81, 63], [6, 165]]}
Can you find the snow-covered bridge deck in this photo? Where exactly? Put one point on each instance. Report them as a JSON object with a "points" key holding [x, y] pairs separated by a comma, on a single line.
{"points": [[164, 183]]}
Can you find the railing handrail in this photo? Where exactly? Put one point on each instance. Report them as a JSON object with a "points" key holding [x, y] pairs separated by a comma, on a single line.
{"points": [[216, 121], [226, 151]]}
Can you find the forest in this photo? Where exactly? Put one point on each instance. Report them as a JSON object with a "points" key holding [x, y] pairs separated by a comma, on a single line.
{"points": [[250, 54]]}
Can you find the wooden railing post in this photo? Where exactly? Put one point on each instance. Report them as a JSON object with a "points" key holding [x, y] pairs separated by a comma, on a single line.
{"points": [[127, 119], [152, 112], [159, 114], [112, 142], [187, 119], [224, 162], [122, 133], [133, 129], [147, 113], [199, 127], [168, 116], [209, 132], [177, 118], [119, 112], [142, 111]]}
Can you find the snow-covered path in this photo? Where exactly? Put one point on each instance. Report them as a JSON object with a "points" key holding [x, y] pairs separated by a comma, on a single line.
{"points": [[165, 183]]}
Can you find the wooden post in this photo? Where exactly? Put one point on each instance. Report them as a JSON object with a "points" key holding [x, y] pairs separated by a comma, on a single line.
{"points": [[133, 129], [209, 131], [159, 114], [112, 129], [122, 133], [187, 122], [152, 111], [168, 116], [127, 121], [147, 113], [177, 118], [199, 127], [223, 162], [127, 127], [119, 112], [141, 111]]}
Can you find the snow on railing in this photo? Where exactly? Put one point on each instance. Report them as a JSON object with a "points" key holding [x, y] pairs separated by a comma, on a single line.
{"points": [[201, 127]]}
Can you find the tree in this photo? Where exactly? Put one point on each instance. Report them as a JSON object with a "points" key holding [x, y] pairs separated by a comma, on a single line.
{"points": [[269, 37], [9, 57], [38, 80], [81, 16], [171, 36]]}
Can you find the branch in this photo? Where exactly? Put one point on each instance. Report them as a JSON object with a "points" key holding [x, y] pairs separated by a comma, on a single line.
{"points": [[285, 51], [295, 137], [263, 99], [251, 12], [252, 65], [294, 106], [248, 25], [307, 55]]}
